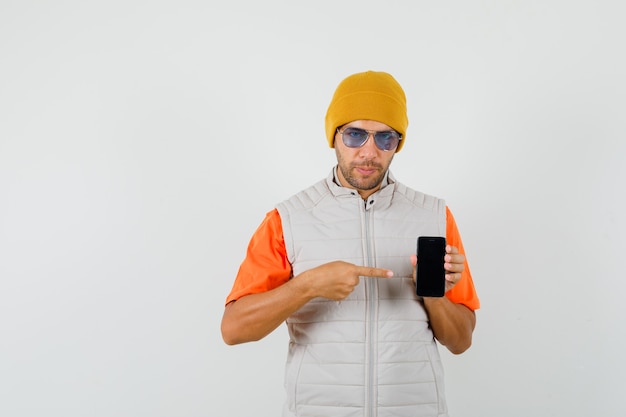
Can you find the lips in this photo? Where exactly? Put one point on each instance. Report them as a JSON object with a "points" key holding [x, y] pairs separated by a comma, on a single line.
{"points": [[366, 170]]}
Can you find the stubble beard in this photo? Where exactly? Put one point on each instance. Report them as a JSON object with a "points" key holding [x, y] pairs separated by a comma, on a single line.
{"points": [[348, 171]]}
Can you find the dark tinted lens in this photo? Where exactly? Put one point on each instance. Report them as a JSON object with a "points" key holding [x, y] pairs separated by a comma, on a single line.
{"points": [[353, 137], [387, 141]]}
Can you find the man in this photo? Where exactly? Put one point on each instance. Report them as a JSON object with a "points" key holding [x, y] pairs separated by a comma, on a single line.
{"points": [[337, 262]]}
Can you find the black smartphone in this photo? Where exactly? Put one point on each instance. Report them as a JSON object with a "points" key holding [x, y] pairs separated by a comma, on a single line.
{"points": [[431, 276]]}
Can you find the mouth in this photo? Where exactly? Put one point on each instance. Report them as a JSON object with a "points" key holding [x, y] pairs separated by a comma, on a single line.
{"points": [[366, 170]]}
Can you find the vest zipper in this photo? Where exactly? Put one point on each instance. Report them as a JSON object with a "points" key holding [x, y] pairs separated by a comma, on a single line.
{"points": [[371, 292]]}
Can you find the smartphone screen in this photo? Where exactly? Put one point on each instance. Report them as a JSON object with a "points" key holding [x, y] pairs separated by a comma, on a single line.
{"points": [[431, 281]]}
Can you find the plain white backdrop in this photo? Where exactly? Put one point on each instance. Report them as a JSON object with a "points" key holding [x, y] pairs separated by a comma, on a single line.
{"points": [[142, 142]]}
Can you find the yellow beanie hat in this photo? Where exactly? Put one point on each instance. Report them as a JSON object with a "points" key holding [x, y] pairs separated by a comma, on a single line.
{"points": [[369, 95]]}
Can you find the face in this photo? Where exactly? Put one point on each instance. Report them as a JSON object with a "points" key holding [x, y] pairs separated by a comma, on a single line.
{"points": [[364, 168]]}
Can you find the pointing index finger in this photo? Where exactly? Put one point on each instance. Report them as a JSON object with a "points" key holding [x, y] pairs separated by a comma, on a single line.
{"points": [[368, 271]]}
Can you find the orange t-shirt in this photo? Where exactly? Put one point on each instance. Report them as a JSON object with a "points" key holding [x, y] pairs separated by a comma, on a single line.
{"points": [[266, 266]]}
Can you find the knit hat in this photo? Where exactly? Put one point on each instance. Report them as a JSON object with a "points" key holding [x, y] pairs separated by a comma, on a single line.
{"points": [[367, 95]]}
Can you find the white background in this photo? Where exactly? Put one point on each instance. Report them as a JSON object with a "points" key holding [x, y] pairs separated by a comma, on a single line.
{"points": [[142, 142]]}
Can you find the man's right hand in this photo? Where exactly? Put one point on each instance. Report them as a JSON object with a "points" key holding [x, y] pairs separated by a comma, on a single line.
{"points": [[336, 280]]}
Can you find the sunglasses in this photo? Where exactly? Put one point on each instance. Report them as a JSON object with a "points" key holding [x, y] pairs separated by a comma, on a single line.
{"points": [[354, 137]]}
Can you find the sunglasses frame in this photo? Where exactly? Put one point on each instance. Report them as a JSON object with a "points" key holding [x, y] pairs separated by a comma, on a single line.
{"points": [[372, 133]]}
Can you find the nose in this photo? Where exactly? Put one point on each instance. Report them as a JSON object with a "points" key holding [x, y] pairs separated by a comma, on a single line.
{"points": [[369, 148]]}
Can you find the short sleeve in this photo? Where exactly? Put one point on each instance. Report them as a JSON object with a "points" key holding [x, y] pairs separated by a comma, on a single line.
{"points": [[265, 266], [463, 292]]}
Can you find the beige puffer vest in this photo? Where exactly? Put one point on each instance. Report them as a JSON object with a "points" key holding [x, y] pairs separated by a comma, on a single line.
{"points": [[372, 354]]}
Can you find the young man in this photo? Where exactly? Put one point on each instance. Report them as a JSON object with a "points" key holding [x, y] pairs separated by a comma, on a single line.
{"points": [[337, 262]]}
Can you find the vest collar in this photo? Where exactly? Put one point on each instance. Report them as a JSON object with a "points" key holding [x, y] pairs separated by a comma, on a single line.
{"points": [[381, 197]]}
